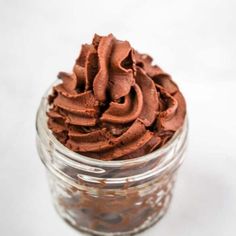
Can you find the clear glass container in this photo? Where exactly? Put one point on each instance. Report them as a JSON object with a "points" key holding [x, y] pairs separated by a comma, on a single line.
{"points": [[109, 197]]}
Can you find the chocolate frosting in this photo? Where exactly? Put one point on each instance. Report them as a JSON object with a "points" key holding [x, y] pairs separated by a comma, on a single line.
{"points": [[115, 104]]}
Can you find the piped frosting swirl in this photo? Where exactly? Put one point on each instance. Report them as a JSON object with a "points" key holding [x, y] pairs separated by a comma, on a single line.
{"points": [[115, 104]]}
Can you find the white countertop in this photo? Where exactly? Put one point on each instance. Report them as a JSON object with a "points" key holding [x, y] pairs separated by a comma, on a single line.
{"points": [[192, 40]]}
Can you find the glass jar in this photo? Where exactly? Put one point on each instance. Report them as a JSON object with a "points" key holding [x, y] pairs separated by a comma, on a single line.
{"points": [[109, 197]]}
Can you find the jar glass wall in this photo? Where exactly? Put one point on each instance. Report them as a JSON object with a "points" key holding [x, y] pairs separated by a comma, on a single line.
{"points": [[109, 197]]}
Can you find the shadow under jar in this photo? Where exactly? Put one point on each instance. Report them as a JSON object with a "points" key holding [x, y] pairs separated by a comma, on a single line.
{"points": [[109, 197]]}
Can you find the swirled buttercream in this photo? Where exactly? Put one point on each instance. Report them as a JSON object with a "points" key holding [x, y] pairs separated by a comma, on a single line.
{"points": [[115, 104]]}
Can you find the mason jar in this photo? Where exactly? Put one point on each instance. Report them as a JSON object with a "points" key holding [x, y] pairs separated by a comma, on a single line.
{"points": [[109, 197]]}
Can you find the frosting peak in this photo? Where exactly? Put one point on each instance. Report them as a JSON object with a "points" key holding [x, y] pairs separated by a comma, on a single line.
{"points": [[115, 104]]}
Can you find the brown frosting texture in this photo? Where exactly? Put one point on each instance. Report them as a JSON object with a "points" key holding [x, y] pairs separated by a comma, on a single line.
{"points": [[115, 104]]}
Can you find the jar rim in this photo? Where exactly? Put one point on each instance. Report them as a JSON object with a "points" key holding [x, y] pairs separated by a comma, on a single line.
{"points": [[42, 129]]}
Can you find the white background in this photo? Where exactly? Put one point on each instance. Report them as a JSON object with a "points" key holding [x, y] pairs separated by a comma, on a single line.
{"points": [[195, 41]]}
